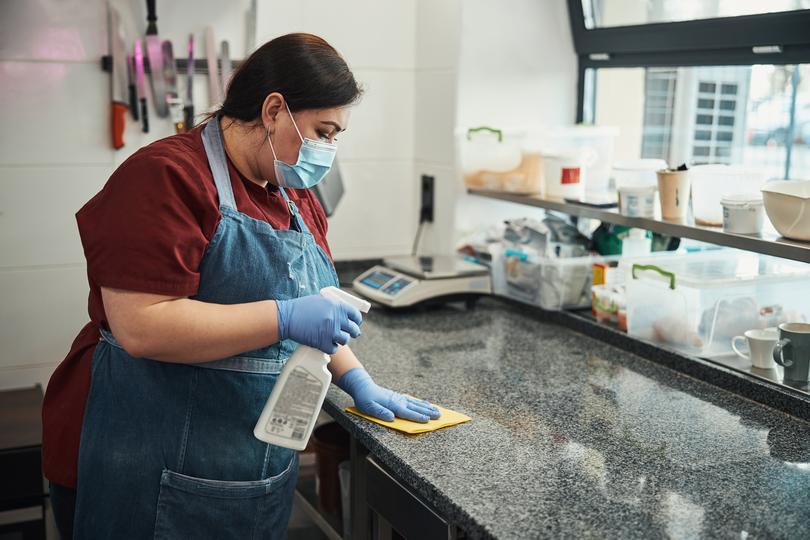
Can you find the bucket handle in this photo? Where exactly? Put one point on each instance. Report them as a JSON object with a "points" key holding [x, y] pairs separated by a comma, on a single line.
{"points": [[654, 268], [498, 132]]}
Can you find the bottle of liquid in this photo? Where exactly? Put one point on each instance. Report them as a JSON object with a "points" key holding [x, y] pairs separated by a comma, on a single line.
{"points": [[636, 243], [289, 416]]}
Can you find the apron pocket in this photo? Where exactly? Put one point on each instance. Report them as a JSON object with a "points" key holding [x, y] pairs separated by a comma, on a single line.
{"points": [[190, 507]]}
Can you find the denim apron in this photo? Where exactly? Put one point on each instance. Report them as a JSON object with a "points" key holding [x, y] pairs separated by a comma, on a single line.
{"points": [[167, 450]]}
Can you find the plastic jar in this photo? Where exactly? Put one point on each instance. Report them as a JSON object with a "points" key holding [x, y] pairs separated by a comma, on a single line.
{"points": [[743, 214], [637, 201], [637, 172]]}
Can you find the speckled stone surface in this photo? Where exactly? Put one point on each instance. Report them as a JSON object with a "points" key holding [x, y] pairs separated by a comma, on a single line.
{"points": [[574, 438]]}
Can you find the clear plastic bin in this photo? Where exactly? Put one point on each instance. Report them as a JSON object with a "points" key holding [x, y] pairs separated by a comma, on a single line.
{"points": [[711, 182], [500, 160], [511, 159], [552, 284], [698, 302], [637, 172], [595, 145]]}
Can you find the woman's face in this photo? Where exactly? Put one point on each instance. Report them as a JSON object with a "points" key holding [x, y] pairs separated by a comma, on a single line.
{"points": [[317, 124]]}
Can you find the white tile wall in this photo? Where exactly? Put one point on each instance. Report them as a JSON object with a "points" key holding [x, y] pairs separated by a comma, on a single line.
{"points": [[438, 26], [37, 212], [381, 125], [370, 221], [42, 311], [370, 34], [434, 110], [53, 30], [54, 113]]}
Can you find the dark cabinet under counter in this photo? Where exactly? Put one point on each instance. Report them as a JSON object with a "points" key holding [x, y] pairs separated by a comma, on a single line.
{"points": [[385, 509]]}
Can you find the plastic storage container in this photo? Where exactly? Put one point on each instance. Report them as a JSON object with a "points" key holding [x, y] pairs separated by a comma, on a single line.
{"points": [[743, 214], [552, 284], [499, 160], [564, 175], [595, 145], [711, 182], [637, 201], [698, 302], [637, 172]]}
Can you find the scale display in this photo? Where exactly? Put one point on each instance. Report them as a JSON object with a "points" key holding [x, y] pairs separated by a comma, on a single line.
{"points": [[405, 281], [375, 280]]}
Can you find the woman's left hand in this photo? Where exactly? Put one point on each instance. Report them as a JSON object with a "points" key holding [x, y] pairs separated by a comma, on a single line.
{"points": [[382, 403]]}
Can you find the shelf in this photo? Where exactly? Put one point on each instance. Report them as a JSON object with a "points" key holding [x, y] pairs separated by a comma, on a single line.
{"points": [[765, 243], [732, 361]]}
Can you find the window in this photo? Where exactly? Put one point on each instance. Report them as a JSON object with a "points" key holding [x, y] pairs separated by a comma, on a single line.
{"points": [[724, 83], [605, 13], [753, 115]]}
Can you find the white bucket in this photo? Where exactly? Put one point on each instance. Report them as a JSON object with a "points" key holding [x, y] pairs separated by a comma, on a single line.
{"points": [[564, 176], [742, 214], [637, 201]]}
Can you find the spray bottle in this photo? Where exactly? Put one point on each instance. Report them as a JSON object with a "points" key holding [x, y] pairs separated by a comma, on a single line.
{"points": [[289, 416]]}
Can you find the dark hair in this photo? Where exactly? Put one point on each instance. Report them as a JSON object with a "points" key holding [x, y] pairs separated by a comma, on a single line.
{"points": [[304, 68]]}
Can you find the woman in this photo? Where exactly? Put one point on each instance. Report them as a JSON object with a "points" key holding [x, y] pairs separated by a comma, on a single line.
{"points": [[204, 276]]}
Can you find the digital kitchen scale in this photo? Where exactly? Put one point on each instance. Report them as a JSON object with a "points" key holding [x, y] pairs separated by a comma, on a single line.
{"points": [[406, 281]]}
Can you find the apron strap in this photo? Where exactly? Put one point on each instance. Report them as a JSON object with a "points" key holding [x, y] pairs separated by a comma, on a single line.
{"points": [[215, 151], [298, 221]]}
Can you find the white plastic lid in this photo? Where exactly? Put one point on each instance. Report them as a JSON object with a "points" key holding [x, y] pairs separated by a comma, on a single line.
{"points": [[636, 234], [741, 199]]}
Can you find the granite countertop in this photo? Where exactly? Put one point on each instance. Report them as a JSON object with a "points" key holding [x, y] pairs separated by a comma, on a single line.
{"points": [[572, 437]]}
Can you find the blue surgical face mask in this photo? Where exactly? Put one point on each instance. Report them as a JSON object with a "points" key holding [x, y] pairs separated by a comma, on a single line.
{"points": [[314, 161]]}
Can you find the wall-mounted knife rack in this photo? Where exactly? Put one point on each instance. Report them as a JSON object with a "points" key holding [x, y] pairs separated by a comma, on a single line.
{"points": [[200, 65]]}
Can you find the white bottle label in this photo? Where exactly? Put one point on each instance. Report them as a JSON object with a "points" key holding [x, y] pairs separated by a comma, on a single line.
{"points": [[296, 406]]}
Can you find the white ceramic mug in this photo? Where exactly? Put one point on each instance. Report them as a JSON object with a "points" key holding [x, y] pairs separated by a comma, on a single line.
{"points": [[760, 344]]}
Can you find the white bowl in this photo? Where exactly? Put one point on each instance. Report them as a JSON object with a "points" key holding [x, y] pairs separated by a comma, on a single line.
{"points": [[787, 203]]}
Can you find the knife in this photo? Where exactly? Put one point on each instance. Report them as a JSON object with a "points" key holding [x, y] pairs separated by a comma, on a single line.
{"points": [[140, 78], [188, 110], [133, 93], [170, 77], [225, 63], [119, 80], [154, 51], [213, 78]]}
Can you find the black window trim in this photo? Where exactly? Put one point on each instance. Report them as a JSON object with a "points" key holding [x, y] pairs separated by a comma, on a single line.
{"points": [[703, 42]]}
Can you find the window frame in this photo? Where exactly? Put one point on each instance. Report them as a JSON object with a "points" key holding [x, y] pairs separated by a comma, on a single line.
{"points": [[720, 41]]}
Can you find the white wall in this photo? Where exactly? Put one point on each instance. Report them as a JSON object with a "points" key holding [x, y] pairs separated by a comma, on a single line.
{"points": [[517, 69], [427, 67], [377, 217]]}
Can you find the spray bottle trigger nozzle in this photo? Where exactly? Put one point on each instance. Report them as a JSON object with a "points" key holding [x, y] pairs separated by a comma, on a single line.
{"points": [[342, 296]]}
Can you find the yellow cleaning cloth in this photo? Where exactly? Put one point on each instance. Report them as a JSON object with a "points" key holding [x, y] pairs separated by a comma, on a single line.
{"points": [[448, 418]]}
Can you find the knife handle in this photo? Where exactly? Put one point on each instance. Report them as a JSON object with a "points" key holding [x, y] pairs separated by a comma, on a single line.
{"points": [[151, 17], [119, 111], [144, 116], [188, 117], [133, 102]]}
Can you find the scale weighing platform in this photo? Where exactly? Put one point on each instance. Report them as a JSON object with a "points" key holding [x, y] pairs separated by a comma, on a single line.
{"points": [[406, 281]]}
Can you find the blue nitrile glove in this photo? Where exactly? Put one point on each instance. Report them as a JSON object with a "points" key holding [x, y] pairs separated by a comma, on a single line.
{"points": [[318, 322], [374, 400]]}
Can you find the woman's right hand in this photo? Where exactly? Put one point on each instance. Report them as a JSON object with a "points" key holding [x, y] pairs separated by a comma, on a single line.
{"points": [[317, 321]]}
